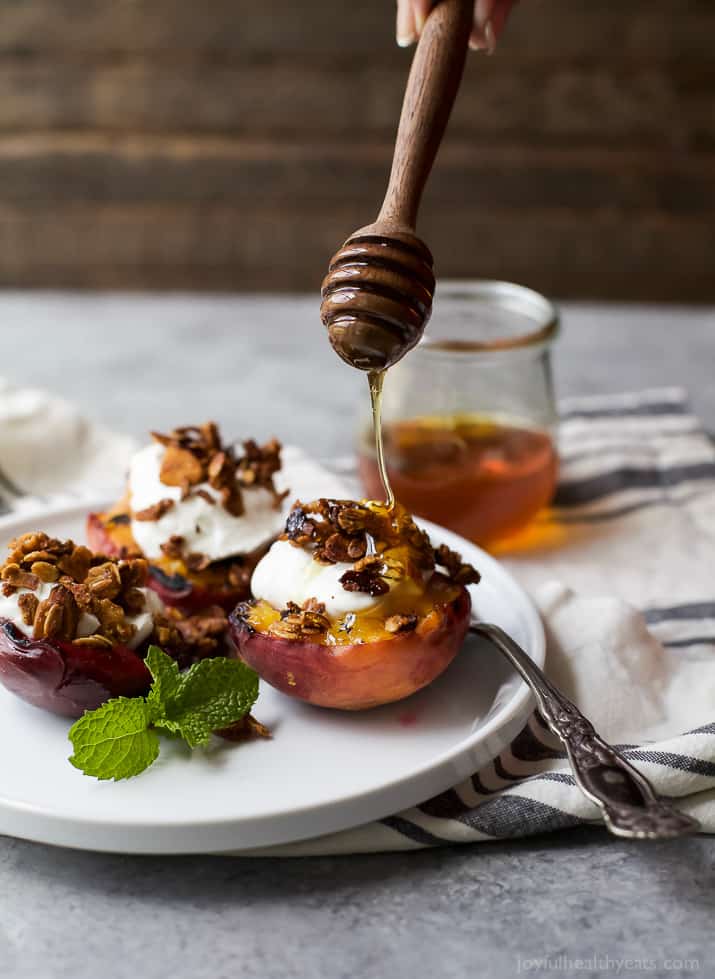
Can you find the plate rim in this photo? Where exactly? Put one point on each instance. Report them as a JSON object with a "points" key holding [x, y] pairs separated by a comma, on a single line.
{"points": [[213, 836]]}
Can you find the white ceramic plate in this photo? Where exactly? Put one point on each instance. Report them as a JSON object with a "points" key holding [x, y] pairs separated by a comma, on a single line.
{"points": [[323, 770]]}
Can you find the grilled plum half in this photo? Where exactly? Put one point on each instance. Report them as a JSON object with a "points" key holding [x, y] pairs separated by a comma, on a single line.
{"points": [[66, 678]]}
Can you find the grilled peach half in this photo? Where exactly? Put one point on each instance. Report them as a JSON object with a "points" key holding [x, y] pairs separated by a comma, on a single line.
{"points": [[363, 672], [110, 533], [66, 678]]}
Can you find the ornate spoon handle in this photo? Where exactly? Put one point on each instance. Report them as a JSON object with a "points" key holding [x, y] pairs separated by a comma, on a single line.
{"points": [[631, 807]]}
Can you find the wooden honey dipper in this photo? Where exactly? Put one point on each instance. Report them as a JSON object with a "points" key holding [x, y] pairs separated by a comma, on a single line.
{"points": [[377, 295]]}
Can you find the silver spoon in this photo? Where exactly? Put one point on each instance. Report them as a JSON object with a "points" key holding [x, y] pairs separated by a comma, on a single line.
{"points": [[631, 807]]}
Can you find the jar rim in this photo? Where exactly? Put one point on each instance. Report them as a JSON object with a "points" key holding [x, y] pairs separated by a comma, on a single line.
{"points": [[532, 304]]}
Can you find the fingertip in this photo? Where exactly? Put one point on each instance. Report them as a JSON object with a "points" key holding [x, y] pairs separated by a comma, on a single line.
{"points": [[405, 31], [421, 12]]}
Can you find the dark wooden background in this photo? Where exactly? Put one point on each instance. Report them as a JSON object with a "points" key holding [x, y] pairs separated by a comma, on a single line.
{"points": [[233, 145]]}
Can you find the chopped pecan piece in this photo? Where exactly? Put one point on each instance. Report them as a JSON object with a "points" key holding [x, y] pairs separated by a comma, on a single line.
{"points": [[28, 607], [15, 576], [104, 581], [76, 564], [232, 500], [133, 573], [57, 616], [174, 547], [205, 631], [335, 550], [220, 470], [133, 601], [180, 465], [154, 512], [401, 623], [206, 496], [248, 727], [458, 572]]}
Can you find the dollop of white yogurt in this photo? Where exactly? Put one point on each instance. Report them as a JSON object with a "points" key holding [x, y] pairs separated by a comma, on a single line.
{"points": [[206, 528], [290, 574], [88, 623]]}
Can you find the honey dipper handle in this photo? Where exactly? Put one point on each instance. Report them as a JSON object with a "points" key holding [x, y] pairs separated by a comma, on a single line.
{"points": [[431, 89]]}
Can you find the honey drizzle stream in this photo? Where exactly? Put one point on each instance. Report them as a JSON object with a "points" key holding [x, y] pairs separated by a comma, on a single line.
{"points": [[375, 380]]}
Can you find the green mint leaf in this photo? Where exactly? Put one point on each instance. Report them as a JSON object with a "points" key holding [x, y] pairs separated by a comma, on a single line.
{"points": [[114, 741], [213, 694], [167, 681]]}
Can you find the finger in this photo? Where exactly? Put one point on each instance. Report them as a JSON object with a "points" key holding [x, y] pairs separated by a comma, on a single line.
{"points": [[500, 15], [490, 16], [421, 10], [482, 25], [406, 29]]}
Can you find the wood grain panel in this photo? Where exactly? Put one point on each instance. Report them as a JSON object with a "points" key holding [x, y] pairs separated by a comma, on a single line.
{"points": [[657, 105], [545, 29], [75, 167], [257, 248], [162, 143]]}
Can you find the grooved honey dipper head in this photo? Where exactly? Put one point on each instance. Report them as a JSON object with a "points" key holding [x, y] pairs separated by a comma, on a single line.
{"points": [[377, 298]]}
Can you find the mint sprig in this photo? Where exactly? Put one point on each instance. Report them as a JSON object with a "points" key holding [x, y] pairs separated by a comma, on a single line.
{"points": [[116, 740], [119, 739]]}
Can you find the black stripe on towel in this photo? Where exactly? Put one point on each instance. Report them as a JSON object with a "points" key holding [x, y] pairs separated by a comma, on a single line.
{"points": [[412, 831], [509, 816], [680, 613], [527, 747], [447, 805], [654, 408], [608, 445], [694, 641], [705, 729], [627, 478], [563, 517], [479, 786]]}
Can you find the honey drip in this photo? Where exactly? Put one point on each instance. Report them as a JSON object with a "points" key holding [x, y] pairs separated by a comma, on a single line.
{"points": [[375, 381]]}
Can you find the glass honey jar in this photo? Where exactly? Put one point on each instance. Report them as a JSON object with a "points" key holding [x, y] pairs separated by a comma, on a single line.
{"points": [[469, 415]]}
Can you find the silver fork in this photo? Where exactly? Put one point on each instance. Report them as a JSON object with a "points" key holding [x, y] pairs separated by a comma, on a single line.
{"points": [[631, 807]]}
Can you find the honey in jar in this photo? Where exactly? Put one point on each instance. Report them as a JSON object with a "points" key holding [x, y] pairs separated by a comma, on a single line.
{"points": [[482, 477]]}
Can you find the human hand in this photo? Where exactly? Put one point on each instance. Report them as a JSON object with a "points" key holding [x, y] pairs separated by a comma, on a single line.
{"points": [[489, 19]]}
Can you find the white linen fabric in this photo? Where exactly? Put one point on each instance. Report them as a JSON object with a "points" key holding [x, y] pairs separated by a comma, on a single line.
{"points": [[622, 569]]}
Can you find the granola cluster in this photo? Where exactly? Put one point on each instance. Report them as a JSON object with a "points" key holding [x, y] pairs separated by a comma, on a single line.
{"points": [[191, 638], [306, 621], [109, 590], [82, 582], [195, 455], [368, 537]]}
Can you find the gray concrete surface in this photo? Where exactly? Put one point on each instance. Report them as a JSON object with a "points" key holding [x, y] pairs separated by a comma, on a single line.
{"points": [[589, 905]]}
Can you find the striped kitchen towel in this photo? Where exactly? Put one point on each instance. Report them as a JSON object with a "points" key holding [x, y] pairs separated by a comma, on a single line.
{"points": [[622, 568]]}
